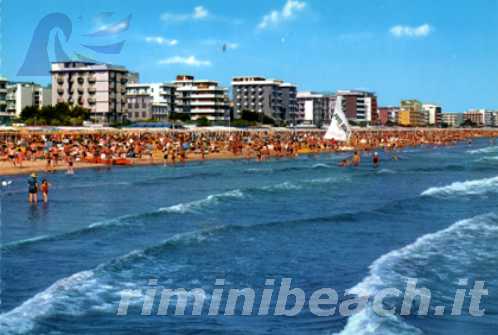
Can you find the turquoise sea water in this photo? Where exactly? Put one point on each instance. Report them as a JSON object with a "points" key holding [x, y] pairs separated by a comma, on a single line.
{"points": [[432, 215]]}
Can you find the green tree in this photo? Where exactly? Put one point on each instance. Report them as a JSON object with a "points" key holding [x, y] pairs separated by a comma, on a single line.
{"points": [[203, 122]]}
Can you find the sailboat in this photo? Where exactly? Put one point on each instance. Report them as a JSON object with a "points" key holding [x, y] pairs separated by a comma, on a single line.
{"points": [[339, 128]]}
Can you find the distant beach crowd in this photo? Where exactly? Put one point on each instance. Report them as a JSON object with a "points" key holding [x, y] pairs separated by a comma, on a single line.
{"points": [[28, 151]]}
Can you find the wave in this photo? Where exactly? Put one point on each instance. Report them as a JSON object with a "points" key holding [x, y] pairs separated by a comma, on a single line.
{"points": [[453, 244], [386, 171], [470, 187], [484, 150], [210, 200], [91, 289], [88, 290]]}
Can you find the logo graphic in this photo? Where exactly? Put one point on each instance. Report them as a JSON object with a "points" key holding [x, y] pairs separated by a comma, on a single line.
{"points": [[37, 62]]}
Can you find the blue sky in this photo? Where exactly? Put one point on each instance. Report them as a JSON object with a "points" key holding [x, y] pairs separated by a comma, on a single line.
{"points": [[442, 51]]}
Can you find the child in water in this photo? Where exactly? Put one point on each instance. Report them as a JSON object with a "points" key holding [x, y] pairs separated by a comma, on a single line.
{"points": [[44, 189]]}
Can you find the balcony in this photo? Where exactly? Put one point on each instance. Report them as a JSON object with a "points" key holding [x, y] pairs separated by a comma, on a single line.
{"points": [[60, 80], [60, 100], [81, 90], [92, 79], [81, 80], [92, 90]]}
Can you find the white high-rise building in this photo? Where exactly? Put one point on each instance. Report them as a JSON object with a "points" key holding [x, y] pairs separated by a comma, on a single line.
{"points": [[21, 95], [99, 87], [312, 108], [432, 114], [201, 98]]}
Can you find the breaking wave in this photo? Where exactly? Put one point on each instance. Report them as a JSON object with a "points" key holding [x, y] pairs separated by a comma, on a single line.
{"points": [[470, 187], [457, 245]]}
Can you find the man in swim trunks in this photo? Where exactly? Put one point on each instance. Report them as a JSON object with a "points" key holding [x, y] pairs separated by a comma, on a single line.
{"points": [[33, 189]]}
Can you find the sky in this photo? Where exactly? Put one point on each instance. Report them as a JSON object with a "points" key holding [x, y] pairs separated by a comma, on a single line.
{"points": [[442, 52]]}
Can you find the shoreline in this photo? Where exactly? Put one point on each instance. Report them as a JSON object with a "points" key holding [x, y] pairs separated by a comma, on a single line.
{"points": [[372, 138], [6, 169]]}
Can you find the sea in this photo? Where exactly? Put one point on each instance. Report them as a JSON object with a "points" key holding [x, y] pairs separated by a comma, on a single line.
{"points": [[431, 215]]}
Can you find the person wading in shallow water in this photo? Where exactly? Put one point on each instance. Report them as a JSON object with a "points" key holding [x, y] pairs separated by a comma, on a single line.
{"points": [[44, 189], [33, 189], [376, 160], [356, 159]]}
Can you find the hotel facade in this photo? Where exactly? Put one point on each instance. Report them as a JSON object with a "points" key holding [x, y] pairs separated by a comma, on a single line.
{"points": [[359, 106], [312, 109], [273, 98], [101, 88], [149, 101], [3, 98], [201, 98], [21, 95], [411, 114]]}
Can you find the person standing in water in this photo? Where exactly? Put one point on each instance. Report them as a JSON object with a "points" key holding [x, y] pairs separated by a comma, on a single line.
{"points": [[376, 160], [356, 159], [44, 189], [33, 189]]}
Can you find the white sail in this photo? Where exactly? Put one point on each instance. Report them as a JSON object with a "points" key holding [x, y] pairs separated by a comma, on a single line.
{"points": [[339, 128]]}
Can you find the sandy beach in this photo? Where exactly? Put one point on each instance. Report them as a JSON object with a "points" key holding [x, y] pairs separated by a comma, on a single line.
{"points": [[262, 144]]}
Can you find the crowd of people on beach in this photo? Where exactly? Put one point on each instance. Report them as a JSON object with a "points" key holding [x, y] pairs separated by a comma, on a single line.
{"points": [[126, 147], [64, 150]]}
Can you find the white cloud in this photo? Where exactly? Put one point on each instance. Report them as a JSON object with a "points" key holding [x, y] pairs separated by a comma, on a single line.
{"points": [[190, 61], [275, 17], [199, 13], [409, 31], [161, 40]]}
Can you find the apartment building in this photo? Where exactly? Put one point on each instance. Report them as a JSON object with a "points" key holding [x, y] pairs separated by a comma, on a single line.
{"points": [[388, 114], [312, 109], [273, 98], [21, 95], [411, 114], [432, 114], [3, 99], [481, 117], [452, 119], [201, 98], [359, 106], [99, 87], [149, 101]]}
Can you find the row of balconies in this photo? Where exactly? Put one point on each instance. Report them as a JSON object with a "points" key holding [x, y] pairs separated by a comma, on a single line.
{"points": [[80, 80]]}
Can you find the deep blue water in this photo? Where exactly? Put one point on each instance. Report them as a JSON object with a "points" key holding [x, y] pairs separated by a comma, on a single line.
{"points": [[66, 264]]}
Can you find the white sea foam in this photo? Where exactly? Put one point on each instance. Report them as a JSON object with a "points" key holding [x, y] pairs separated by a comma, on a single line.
{"points": [[470, 187], [484, 150], [287, 185], [448, 243], [21, 320], [386, 171], [321, 166], [87, 290], [194, 206]]}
